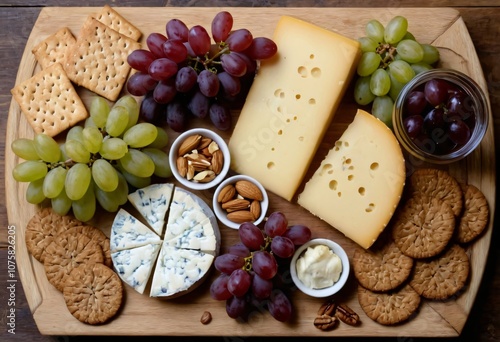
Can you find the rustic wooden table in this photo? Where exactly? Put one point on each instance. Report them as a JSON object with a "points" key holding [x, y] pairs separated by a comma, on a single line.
{"points": [[17, 17]]}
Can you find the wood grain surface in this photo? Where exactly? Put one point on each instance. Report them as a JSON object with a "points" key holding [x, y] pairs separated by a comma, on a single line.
{"points": [[458, 319]]}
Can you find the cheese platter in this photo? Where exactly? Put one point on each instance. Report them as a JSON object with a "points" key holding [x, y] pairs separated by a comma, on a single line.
{"points": [[142, 315]]}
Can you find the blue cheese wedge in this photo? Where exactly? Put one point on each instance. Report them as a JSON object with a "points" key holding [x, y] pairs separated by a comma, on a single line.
{"points": [[152, 202], [134, 266], [128, 232], [179, 271], [201, 237]]}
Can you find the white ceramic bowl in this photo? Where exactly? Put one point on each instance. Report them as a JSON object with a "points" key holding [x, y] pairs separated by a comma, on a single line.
{"points": [[173, 154], [222, 214], [327, 291]]}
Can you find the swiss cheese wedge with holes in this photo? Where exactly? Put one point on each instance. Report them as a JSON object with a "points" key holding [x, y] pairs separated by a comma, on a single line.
{"points": [[357, 187], [291, 104]]}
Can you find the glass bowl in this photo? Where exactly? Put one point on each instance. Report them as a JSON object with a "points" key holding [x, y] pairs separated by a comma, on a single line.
{"points": [[437, 142]]}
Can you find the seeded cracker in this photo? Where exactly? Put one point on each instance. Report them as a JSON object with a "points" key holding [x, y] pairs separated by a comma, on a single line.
{"points": [[475, 214], [96, 235], [98, 61], [109, 17], [53, 48], [49, 101]]}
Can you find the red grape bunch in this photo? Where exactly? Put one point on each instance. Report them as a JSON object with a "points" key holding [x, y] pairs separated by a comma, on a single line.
{"points": [[249, 269], [184, 73]]}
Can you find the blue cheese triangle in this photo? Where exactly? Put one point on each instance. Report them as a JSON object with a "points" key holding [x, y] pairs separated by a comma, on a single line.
{"points": [[152, 202], [134, 266], [128, 232], [179, 270], [201, 237]]}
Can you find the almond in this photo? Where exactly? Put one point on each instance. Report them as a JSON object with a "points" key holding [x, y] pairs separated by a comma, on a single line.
{"points": [[226, 194], [255, 208], [204, 176], [189, 144], [241, 216], [249, 190], [190, 172], [182, 166], [235, 204], [217, 161], [213, 147], [204, 143]]}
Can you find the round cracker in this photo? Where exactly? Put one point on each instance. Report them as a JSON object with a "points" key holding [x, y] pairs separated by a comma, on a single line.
{"points": [[389, 308], [93, 293], [68, 252], [475, 215], [382, 268], [99, 237], [43, 227], [438, 184], [441, 277], [423, 227]]}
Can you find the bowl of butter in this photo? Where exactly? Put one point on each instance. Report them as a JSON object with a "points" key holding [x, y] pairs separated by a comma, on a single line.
{"points": [[320, 268]]}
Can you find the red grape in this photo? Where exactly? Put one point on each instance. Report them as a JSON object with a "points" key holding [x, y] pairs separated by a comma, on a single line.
{"points": [[176, 29], [233, 64], [239, 40], [282, 247], [261, 48], [227, 263], [415, 103], [162, 68], [218, 289], [199, 104], [459, 132], [460, 106], [176, 116], [140, 83], [230, 84], [199, 40], [413, 125], [236, 307], [264, 264], [434, 119], [140, 59], [239, 249], [208, 82], [276, 224], [250, 63], [155, 43], [175, 50], [436, 92], [165, 91], [221, 26], [279, 306], [261, 288], [251, 236], [185, 79], [150, 110], [239, 282], [299, 234], [220, 116]]}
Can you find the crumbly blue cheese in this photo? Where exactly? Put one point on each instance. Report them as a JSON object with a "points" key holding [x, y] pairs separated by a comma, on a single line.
{"points": [[134, 266], [152, 202], [185, 214], [128, 232], [178, 270], [201, 237]]}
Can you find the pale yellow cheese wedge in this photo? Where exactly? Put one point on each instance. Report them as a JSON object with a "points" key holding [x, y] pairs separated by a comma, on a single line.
{"points": [[357, 187], [291, 104]]}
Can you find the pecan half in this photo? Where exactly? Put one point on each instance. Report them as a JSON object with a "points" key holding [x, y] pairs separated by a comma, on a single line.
{"points": [[325, 322], [346, 315]]}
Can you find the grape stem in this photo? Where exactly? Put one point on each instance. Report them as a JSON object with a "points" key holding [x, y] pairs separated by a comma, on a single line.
{"points": [[388, 54], [207, 61]]}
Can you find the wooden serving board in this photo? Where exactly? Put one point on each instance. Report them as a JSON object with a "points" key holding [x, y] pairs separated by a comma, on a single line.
{"points": [[142, 315]]}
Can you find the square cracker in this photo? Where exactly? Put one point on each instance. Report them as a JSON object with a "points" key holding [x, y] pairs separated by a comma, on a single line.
{"points": [[111, 18], [98, 60], [53, 48], [49, 101]]}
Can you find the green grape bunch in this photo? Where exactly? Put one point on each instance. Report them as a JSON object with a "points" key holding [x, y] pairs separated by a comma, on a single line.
{"points": [[391, 58], [97, 161]]}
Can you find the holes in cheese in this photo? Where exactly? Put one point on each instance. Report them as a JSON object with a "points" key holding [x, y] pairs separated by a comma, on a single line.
{"points": [[359, 184], [291, 104]]}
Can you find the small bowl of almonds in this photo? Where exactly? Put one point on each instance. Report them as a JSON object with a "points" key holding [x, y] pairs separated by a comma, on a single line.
{"points": [[199, 159], [240, 199]]}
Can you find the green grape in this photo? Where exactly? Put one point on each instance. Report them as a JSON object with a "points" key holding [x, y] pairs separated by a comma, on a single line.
{"points": [[92, 139], [46, 148], [380, 83], [396, 88], [75, 133], [409, 35], [29, 171], [395, 30], [99, 111], [64, 156], [368, 63], [84, 208], [375, 30], [111, 201], [140, 135], [61, 204], [382, 109], [362, 92], [410, 51], [24, 148], [136, 182], [401, 71], [367, 44], [137, 163], [104, 175], [160, 159], [420, 67], [34, 192], [77, 151], [89, 122], [431, 54], [129, 102], [77, 181], [113, 148], [117, 121], [161, 140], [54, 182]]}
